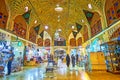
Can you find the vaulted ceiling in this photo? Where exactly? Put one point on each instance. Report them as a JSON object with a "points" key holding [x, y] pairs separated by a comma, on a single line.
{"points": [[44, 12]]}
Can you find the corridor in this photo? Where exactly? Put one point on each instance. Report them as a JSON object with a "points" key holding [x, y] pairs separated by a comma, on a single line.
{"points": [[63, 73]]}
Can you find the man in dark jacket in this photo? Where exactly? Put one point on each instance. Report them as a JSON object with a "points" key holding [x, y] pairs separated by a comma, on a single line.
{"points": [[73, 60], [67, 60]]}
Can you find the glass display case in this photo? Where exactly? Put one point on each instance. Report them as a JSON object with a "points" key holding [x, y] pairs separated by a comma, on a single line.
{"points": [[112, 56]]}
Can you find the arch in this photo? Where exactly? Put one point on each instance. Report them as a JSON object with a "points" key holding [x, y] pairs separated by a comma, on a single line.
{"points": [[46, 35], [85, 33], [40, 42], [32, 35], [47, 43], [72, 42], [112, 11], [3, 14], [20, 26], [79, 41], [96, 25]]}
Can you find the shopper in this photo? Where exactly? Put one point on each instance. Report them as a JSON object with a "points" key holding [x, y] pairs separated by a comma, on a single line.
{"points": [[73, 60], [10, 59], [67, 60], [59, 62], [77, 57]]}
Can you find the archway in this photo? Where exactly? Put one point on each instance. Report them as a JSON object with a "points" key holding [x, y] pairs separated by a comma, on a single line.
{"points": [[3, 14], [20, 26], [32, 35], [47, 43], [72, 42], [60, 53]]}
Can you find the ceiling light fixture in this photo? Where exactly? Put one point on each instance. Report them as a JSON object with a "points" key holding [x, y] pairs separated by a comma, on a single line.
{"points": [[35, 21], [82, 21], [73, 27], [26, 8], [58, 8], [59, 30], [46, 27], [89, 6]]}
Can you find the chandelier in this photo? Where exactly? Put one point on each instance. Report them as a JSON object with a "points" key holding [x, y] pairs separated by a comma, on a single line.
{"points": [[58, 8]]}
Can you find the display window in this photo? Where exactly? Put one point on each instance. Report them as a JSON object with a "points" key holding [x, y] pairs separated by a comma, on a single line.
{"points": [[30, 57]]}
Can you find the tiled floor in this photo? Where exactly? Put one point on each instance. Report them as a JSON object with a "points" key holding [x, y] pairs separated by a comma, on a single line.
{"points": [[103, 75], [60, 74]]}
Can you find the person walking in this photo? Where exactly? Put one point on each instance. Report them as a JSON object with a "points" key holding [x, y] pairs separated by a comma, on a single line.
{"points": [[10, 59], [77, 57], [67, 60], [73, 60]]}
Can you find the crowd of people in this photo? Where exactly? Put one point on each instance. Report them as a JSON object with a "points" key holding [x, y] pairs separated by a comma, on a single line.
{"points": [[81, 61]]}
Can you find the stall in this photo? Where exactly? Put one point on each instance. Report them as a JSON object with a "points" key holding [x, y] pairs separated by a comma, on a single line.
{"points": [[96, 56], [30, 58], [4, 49], [112, 56], [18, 50]]}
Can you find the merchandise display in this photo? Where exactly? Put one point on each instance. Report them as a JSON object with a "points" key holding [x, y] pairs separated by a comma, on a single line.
{"points": [[112, 55], [30, 58], [4, 55]]}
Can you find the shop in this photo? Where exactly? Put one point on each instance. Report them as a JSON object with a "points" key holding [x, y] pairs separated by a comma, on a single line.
{"points": [[18, 50], [4, 49], [30, 56], [111, 50], [96, 56]]}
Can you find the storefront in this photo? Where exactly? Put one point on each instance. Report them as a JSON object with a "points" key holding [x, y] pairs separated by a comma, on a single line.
{"points": [[30, 56], [7, 44], [96, 56]]}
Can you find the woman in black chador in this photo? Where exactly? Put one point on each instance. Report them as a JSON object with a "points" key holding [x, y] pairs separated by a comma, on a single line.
{"points": [[73, 60], [67, 60]]}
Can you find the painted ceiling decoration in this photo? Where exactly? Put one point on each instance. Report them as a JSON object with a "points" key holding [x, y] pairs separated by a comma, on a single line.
{"points": [[41, 34], [89, 15], [73, 11], [37, 28], [79, 27], [74, 34], [26, 16]]}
